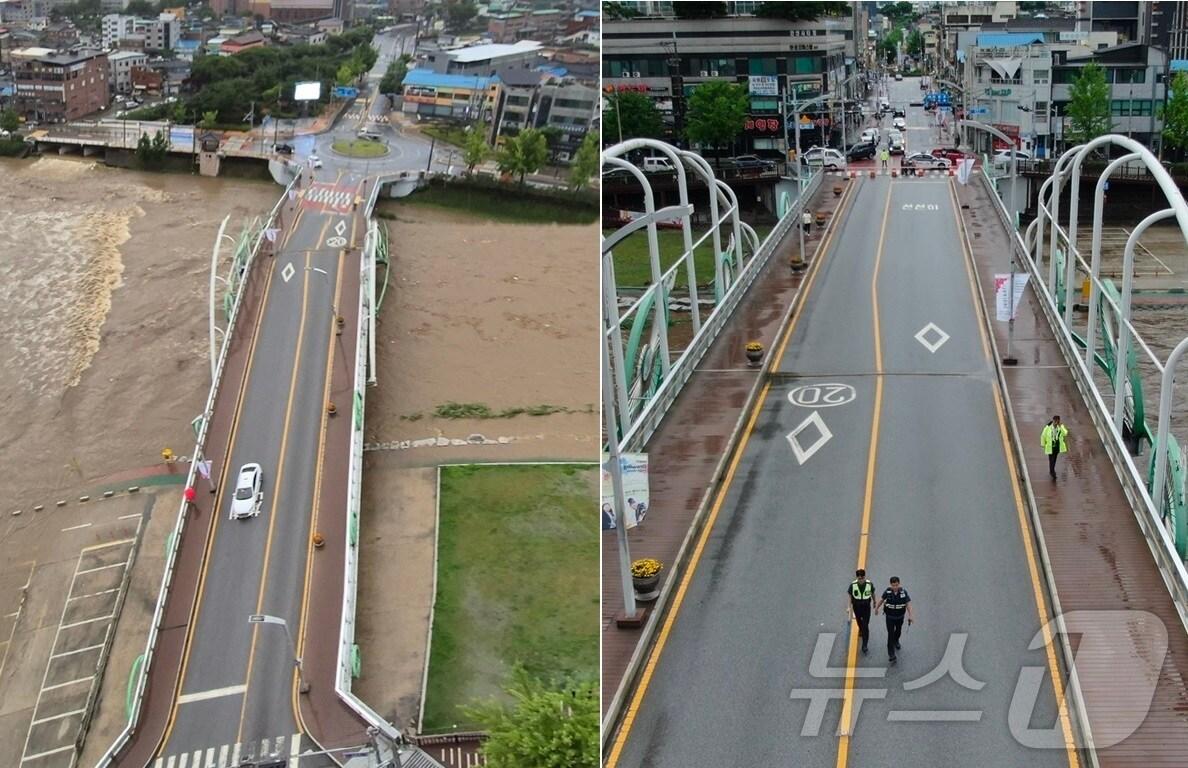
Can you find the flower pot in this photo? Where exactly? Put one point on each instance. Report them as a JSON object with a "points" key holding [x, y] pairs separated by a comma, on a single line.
{"points": [[754, 356], [647, 588], [319, 541], [837, 190]]}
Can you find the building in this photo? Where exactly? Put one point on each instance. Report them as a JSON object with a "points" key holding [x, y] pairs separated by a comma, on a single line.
{"points": [[161, 33], [115, 27], [307, 34], [484, 60], [780, 62], [240, 43], [456, 97], [21, 11], [114, 5], [120, 66], [516, 94], [1136, 75], [511, 27], [331, 26], [569, 106], [298, 11], [147, 81], [56, 87], [60, 35]]}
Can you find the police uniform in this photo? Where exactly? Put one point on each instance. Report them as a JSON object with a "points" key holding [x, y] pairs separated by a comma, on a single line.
{"points": [[895, 608], [861, 599]]}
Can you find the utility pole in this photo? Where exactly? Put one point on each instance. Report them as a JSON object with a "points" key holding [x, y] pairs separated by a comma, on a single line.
{"points": [[678, 91]]}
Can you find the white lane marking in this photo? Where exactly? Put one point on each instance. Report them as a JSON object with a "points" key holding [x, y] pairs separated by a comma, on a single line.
{"points": [[103, 568], [77, 650], [88, 621], [93, 547], [294, 750], [821, 395], [213, 693], [59, 717], [71, 682], [263, 747], [340, 228], [76, 527], [128, 517], [49, 752], [804, 453], [938, 339], [93, 594]]}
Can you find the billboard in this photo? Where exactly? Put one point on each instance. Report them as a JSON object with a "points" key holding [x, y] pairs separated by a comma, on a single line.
{"points": [[635, 490], [307, 92]]}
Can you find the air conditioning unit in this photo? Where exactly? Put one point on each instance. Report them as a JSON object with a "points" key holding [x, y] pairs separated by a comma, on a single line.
{"points": [[713, 73], [635, 74], [703, 73]]}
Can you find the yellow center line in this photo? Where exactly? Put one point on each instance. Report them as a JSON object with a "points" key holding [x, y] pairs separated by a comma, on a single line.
{"points": [[215, 511], [317, 497], [277, 485], [1041, 606], [845, 725], [679, 597]]}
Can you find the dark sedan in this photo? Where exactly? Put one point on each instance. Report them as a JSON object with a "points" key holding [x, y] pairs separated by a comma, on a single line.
{"points": [[861, 151]]}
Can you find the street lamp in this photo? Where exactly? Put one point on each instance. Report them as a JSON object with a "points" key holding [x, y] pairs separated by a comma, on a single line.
{"points": [[263, 618]]}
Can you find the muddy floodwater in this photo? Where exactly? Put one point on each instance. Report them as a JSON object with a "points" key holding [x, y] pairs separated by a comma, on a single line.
{"points": [[103, 300]]}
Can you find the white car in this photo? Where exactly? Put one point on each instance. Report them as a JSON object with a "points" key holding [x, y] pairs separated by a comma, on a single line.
{"points": [[871, 135], [315, 161], [1003, 156], [245, 502], [824, 157], [900, 123]]}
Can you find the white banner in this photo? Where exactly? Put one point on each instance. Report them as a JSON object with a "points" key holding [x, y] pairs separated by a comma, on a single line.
{"points": [[635, 490], [965, 170], [1007, 302]]}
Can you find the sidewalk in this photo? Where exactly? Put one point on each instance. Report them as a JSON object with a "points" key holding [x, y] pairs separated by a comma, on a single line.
{"points": [[1099, 556], [686, 450]]}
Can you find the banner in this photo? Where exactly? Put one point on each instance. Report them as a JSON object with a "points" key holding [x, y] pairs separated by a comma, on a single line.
{"points": [[1007, 302], [965, 169], [635, 490]]}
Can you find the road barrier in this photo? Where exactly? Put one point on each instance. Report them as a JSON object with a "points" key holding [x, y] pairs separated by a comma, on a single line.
{"points": [[175, 536]]}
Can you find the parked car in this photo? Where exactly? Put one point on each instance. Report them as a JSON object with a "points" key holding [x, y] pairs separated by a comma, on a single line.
{"points": [[898, 112], [284, 149], [952, 154], [657, 165], [824, 157], [749, 163], [899, 123], [898, 76], [245, 501], [1003, 156], [861, 151], [924, 160]]}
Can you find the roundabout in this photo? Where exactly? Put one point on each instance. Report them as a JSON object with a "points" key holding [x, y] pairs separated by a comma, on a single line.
{"points": [[359, 148]]}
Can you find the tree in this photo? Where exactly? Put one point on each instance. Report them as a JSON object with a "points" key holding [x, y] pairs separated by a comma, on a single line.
{"points": [[1175, 113], [545, 726], [475, 149], [1089, 105], [151, 152], [915, 43], [717, 112], [699, 10], [900, 13], [585, 161], [632, 115], [140, 8], [618, 11], [889, 45], [802, 11], [209, 120], [9, 121], [394, 76], [459, 13], [523, 154]]}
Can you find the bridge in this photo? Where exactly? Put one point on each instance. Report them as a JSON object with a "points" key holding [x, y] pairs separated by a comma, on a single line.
{"points": [[251, 651], [890, 422]]}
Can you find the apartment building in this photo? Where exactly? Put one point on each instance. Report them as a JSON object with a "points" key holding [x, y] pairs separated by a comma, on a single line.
{"points": [[56, 86], [120, 66]]}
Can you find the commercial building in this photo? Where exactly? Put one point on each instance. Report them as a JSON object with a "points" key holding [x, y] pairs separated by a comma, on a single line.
{"points": [[120, 65], [161, 33], [1135, 73], [55, 87], [781, 64], [484, 60], [513, 26], [297, 11], [458, 97]]}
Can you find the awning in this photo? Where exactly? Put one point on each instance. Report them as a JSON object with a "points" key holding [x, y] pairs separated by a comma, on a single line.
{"points": [[1007, 69]]}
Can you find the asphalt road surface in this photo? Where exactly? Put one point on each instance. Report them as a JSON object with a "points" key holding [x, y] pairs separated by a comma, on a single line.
{"points": [[239, 684], [891, 457]]}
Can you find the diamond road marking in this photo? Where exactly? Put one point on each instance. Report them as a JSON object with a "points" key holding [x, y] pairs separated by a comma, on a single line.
{"points": [[288, 271], [940, 337], [341, 224], [804, 453]]}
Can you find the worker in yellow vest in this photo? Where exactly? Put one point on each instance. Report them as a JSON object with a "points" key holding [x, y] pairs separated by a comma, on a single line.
{"points": [[859, 601], [1054, 440]]}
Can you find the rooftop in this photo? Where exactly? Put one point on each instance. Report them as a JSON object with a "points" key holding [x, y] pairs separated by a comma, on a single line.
{"points": [[121, 55], [1008, 39], [493, 51], [431, 79]]}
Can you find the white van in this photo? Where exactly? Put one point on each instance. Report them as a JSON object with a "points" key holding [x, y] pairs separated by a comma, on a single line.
{"points": [[871, 135], [657, 165]]}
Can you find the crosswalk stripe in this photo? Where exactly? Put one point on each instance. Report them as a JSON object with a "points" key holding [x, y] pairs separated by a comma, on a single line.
{"points": [[197, 759], [223, 756], [159, 762], [279, 746], [171, 761], [185, 758], [263, 747], [210, 763], [235, 755], [294, 750]]}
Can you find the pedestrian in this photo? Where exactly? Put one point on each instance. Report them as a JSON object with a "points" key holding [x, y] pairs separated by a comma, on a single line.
{"points": [[806, 222], [859, 601], [1054, 440], [895, 603], [884, 156]]}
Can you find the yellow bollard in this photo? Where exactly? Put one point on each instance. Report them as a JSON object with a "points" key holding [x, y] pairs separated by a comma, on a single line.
{"points": [[1085, 292], [167, 455]]}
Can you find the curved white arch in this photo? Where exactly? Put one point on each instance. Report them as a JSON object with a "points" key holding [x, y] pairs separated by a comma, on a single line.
{"points": [[1095, 264]]}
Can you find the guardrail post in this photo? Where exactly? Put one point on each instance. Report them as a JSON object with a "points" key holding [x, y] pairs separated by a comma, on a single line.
{"points": [[1167, 386]]}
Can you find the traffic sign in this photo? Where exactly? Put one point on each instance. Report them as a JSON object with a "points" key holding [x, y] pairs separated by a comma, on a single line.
{"points": [[978, 111], [342, 92]]}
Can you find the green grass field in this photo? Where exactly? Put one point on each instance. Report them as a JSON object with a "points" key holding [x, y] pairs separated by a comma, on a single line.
{"points": [[359, 148], [517, 582], [632, 267]]}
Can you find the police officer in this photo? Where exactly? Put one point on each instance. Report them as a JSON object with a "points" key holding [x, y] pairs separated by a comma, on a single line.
{"points": [[895, 602], [860, 599]]}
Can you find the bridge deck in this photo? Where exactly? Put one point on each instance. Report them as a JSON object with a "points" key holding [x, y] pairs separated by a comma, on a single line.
{"points": [[1099, 556], [690, 441]]}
